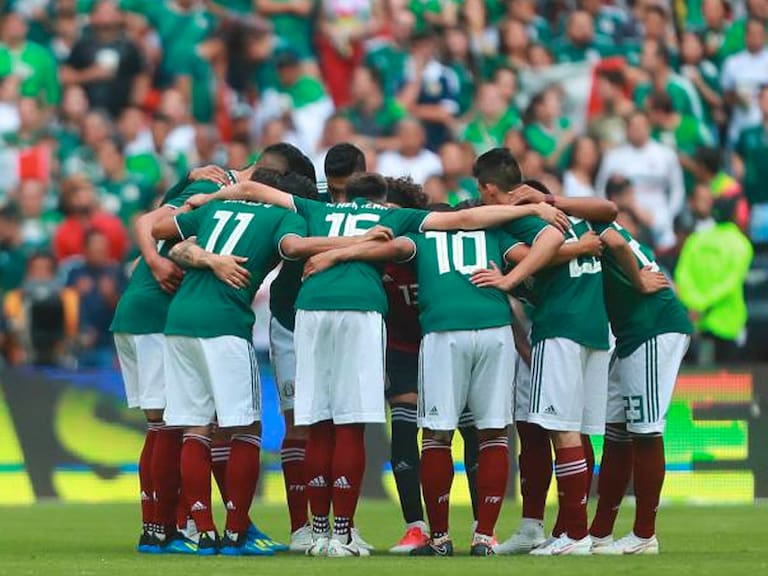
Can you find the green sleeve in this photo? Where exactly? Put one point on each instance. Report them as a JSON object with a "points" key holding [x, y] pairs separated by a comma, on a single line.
{"points": [[197, 187], [189, 223], [175, 191], [600, 227], [305, 206], [293, 224], [506, 243], [404, 220], [526, 229]]}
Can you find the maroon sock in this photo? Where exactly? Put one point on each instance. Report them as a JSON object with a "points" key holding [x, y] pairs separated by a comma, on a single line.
{"points": [[347, 473], [615, 472], [318, 461], [182, 511], [535, 468], [196, 479], [220, 452], [571, 473], [166, 476], [146, 487], [292, 458], [436, 481], [589, 457], [492, 473], [648, 467], [242, 477]]}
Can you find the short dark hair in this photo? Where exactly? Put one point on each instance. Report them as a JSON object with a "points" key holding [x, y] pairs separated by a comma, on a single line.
{"points": [[406, 193], [613, 76], [297, 161], [343, 160], [709, 158], [298, 185], [724, 208], [661, 102], [616, 186], [367, 185], [266, 176], [498, 167], [538, 185]]}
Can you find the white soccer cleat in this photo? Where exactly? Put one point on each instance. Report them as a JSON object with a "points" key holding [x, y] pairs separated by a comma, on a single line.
{"points": [[359, 542], [604, 546], [319, 546], [494, 540], [530, 535], [416, 536], [565, 546], [337, 549], [633, 544], [301, 539]]}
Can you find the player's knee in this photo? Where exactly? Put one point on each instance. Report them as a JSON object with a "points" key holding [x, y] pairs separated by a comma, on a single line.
{"points": [[491, 434], [293, 432], [153, 415], [205, 431], [441, 436], [565, 439]]}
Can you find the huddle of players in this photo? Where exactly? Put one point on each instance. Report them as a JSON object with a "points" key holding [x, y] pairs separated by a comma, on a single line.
{"points": [[461, 367]]}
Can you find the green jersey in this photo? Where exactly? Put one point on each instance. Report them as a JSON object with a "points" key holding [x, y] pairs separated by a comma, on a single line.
{"points": [[206, 307], [752, 147], [124, 198], [445, 262], [569, 298], [143, 306], [284, 291], [637, 317], [684, 97], [545, 141], [36, 69], [350, 285], [295, 31], [484, 135]]}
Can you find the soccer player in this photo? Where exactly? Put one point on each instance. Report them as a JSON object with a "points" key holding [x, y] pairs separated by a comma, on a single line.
{"points": [[342, 161], [569, 358], [652, 336], [138, 328], [339, 341], [209, 362]]}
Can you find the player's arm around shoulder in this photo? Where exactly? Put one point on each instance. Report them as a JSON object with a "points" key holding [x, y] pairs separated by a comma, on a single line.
{"points": [[401, 249], [250, 191], [482, 217], [647, 280], [227, 267]]}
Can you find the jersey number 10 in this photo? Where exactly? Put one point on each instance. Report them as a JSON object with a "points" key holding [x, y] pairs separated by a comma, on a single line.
{"points": [[457, 259]]}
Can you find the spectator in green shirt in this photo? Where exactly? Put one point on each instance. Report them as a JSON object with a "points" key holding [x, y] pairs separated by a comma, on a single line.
{"points": [[13, 257], [457, 176], [389, 55], [547, 131], [491, 120], [750, 160], [704, 76], [28, 61], [684, 134], [38, 221], [372, 113], [713, 29], [610, 21], [96, 129], [736, 36], [459, 59], [536, 28], [292, 21], [513, 49], [580, 42]]}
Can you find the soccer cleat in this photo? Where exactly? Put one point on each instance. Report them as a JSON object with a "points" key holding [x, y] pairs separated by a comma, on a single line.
{"points": [[337, 549], [415, 537], [359, 542], [494, 541], [603, 546], [565, 546], [301, 539], [148, 543], [264, 540], [631, 544], [442, 546], [180, 543], [530, 535], [234, 544], [319, 545], [208, 544], [482, 545]]}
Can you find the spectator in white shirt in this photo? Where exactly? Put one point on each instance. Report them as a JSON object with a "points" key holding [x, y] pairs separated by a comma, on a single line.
{"points": [[579, 179], [412, 158], [655, 173], [743, 74]]}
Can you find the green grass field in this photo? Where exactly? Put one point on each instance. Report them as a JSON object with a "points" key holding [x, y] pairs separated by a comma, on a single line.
{"points": [[53, 539]]}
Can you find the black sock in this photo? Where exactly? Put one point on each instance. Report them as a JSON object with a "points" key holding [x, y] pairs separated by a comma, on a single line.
{"points": [[405, 461], [471, 452]]}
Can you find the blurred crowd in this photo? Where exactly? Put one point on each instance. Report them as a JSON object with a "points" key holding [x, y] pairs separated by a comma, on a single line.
{"points": [[659, 105]]}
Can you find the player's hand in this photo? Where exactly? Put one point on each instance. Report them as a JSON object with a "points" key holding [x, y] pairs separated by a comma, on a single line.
{"points": [[229, 270], [167, 274], [491, 278], [525, 194], [378, 234], [591, 245], [211, 172], [652, 281], [198, 200], [319, 263], [553, 216]]}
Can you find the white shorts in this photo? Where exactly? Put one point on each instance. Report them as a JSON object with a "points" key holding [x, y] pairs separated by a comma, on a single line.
{"points": [[283, 357], [466, 368], [641, 385], [141, 362], [569, 386], [522, 403], [339, 367], [210, 377]]}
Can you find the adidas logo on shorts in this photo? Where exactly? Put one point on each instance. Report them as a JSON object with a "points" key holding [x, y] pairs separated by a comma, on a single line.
{"points": [[317, 482], [550, 410], [433, 411], [197, 507], [342, 483]]}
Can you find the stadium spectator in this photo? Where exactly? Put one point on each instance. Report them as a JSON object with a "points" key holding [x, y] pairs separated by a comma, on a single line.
{"points": [[82, 215], [373, 114], [106, 64], [96, 128], [459, 58], [713, 28], [608, 126], [13, 258], [38, 221], [721, 184], [491, 121], [457, 177], [98, 280], [412, 158], [750, 153], [579, 179], [620, 191], [338, 130], [655, 173], [705, 77], [580, 43], [736, 34], [536, 27], [547, 130], [514, 45], [710, 277]]}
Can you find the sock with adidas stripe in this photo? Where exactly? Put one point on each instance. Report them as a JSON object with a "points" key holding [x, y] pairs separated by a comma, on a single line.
{"points": [[571, 474], [242, 477], [347, 473]]}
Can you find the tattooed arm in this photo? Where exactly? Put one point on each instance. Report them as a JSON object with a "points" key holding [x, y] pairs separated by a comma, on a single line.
{"points": [[228, 269]]}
